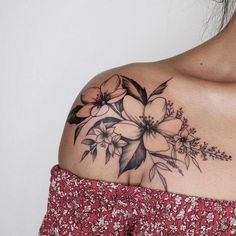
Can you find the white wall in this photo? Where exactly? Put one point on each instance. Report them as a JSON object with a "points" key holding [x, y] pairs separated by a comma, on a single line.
{"points": [[48, 51]]}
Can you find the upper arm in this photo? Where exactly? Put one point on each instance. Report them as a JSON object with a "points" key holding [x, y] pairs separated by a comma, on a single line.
{"points": [[123, 128], [112, 127], [90, 144]]}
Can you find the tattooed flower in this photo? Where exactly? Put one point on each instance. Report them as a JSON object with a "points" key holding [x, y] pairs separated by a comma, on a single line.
{"points": [[116, 144], [96, 100], [103, 134], [183, 139], [146, 122]]}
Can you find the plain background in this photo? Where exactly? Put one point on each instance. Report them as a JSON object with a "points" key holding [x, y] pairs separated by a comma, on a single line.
{"points": [[48, 52]]}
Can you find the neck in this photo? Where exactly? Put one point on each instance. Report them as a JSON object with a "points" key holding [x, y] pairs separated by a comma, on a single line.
{"points": [[213, 60]]}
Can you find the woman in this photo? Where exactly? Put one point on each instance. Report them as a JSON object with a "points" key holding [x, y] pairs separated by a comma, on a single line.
{"points": [[148, 149]]}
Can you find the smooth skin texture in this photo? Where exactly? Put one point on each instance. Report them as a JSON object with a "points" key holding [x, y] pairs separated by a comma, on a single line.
{"points": [[203, 84]]}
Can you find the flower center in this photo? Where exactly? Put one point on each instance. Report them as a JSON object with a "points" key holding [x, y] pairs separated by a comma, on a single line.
{"points": [[183, 139], [115, 144], [105, 135], [149, 125], [102, 99]]}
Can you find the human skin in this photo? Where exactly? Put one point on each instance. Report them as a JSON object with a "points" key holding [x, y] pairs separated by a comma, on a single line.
{"points": [[201, 81]]}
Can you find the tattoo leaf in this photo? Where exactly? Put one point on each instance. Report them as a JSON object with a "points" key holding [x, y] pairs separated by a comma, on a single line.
{"points": [[181, 172], [163, 180], [94, 153], [88, 141], [196, 163], [72, 118], [108, 122], [119, 106], [84, 155], [164, 157], [77, 131], [132, 156], [152, 173], [162, 166], [160, 89], [187, 161], [134, 89], [108, 155]]}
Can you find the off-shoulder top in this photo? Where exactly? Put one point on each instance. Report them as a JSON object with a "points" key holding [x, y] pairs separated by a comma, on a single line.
{"points": [[80, 206]]}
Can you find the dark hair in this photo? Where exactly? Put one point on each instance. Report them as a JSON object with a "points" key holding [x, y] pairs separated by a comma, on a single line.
{"points": [[228, 9]]}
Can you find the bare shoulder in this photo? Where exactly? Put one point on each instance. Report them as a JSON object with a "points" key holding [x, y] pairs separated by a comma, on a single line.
{"points": [[139, 124], [92, 141]]}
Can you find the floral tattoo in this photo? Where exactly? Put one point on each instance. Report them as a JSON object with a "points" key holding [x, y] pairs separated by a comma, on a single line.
{"points": [[143, 126]]}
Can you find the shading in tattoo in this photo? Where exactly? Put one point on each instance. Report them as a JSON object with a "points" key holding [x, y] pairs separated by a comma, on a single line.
{"points": [[143, 126]]}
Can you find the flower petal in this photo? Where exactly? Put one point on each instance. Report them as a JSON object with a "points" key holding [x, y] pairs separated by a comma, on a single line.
{"points": [[177, 137], [99, 138], [95, 110], [122, 143], [118, 151], [156, 109], [124, 115], [170, 127], [99, 110], [117, 96], [102, 127], [155, 142], [110, 85], [184, 133], [111, 149], [187, 145], [110, 130], [108, 139], [85, 111], [133, 108], [89, 95], [178, 145], [97, 131], [116, 138], [190, 138], [128, 129], [104, 109]]}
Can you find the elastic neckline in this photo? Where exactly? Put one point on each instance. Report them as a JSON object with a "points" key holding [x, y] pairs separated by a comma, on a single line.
{"points": [[57, 169]]}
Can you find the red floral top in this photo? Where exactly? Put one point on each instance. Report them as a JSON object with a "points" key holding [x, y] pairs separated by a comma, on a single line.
{"points": [[79, 206]]}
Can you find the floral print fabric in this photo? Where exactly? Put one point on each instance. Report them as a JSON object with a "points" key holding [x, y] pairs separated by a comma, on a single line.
{"points": [[80, 206]]}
